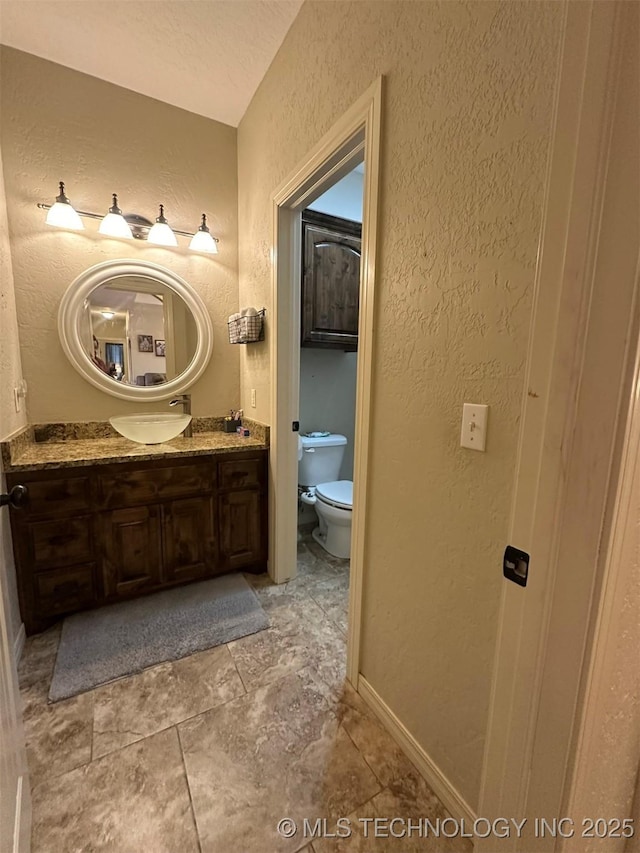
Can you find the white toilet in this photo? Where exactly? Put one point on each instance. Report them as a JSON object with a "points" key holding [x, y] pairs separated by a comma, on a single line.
{"points": [[319, 459]]}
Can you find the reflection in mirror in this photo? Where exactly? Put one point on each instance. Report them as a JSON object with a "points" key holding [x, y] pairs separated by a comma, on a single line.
{"points": [[137, 331]]}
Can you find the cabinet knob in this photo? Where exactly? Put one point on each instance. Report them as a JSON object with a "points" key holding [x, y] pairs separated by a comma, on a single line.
{"points": [[16, 498]]}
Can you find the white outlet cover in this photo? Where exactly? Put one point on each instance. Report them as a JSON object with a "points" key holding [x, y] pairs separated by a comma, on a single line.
{"points": [[474, 426]]}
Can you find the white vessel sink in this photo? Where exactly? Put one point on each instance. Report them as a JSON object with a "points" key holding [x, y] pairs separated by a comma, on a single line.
{"points": [[151, 428]]}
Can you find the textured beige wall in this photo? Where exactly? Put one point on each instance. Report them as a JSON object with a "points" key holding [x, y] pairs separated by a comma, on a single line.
{"points": [[10, 366], [59, 124], [10, 420], [468, 103]]}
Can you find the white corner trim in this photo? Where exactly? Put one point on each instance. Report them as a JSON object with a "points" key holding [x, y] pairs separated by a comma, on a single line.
{"points": [[18, 644], [17, 824], [448, 795]]}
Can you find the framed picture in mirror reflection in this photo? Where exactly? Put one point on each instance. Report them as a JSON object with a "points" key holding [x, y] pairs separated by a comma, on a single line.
{"points": [[145, 343]]}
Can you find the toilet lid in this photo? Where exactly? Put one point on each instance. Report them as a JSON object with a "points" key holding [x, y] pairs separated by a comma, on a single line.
{"points": [[339, 493]]}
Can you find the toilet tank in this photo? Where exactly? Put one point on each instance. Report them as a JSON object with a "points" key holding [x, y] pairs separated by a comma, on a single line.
{"points": [[321, 459]]}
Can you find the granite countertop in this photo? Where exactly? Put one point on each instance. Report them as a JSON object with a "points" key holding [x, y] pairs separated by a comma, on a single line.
{"points": [[46, 446]]}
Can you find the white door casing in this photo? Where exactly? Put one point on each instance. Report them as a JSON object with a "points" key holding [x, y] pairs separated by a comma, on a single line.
{"points": [[15, 796]]}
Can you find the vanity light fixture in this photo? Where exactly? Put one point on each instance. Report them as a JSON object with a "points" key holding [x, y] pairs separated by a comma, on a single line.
{"points": [[202, 241], [119, 225], [108, 315], [160, 233], [62, 214], [114, 224]]}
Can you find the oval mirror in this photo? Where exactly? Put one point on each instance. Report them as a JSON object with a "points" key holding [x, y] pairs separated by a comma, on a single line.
{"points": [[135, 330]]}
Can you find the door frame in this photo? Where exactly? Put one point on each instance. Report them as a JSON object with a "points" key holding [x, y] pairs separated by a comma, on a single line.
{"points": [[353, 138], [13, 760], [615, 643], [539, 664]]}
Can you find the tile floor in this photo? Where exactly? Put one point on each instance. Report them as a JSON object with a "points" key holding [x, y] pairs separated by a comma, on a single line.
{"points": [[208, 753]]}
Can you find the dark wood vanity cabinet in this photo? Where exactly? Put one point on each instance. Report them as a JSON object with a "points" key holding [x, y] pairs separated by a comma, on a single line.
{"points": [[330, 295], [105, 533]]}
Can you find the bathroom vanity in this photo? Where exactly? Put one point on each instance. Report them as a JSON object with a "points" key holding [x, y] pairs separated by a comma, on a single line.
{"points": [[107, 518], [91, 534]]}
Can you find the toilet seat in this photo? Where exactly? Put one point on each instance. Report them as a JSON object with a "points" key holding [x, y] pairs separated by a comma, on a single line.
{"points": [[338, 494]]}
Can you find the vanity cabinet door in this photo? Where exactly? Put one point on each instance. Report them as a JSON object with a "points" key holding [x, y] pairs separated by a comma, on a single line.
{"points": [[242, 540], [131, 551], [189, 541], [330, 281]]}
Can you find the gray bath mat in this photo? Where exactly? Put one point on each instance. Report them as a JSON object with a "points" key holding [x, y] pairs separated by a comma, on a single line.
{"points": [[120, 639]]}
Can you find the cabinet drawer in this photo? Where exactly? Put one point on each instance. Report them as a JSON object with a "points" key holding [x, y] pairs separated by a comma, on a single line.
{"points": [[59, 542], [65, 590], [66, 495], [240, 474], [125, 488]]}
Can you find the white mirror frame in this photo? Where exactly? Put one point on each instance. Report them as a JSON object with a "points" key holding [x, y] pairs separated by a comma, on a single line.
{"points": [[68, 328]]}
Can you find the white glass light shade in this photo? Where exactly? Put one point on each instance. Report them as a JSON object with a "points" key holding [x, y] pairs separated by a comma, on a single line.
{"points": [[115, 225], [202, 241], [162, 235], [108, 315], [62, 215]]}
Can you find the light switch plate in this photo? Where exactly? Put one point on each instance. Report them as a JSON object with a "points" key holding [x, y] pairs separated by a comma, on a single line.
{"points": [[474, 426]]}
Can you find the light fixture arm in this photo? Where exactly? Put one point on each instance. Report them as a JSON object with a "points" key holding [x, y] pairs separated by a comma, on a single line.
{"points": [[62, 198], [114, 208]]}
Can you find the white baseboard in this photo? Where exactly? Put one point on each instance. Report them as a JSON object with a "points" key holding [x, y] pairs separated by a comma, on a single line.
{"points": [[18, 644], [448, 795]]}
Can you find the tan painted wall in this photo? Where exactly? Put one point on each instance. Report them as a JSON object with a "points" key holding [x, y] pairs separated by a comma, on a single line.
{"points": [[10, 420], [468, 101], [59, 124]]}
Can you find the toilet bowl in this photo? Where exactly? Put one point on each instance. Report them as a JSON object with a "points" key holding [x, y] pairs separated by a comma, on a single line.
{"points": [[333, 503]]}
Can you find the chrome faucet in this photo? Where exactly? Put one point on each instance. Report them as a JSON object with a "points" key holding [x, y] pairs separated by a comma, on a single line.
{"points": [[185, 401]]}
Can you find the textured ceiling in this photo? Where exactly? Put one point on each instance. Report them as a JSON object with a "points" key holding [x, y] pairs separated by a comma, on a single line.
{"points": [[206, 56]]}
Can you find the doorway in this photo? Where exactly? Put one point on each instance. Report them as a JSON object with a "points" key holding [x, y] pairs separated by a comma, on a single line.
{"points": [[354, 139]]}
